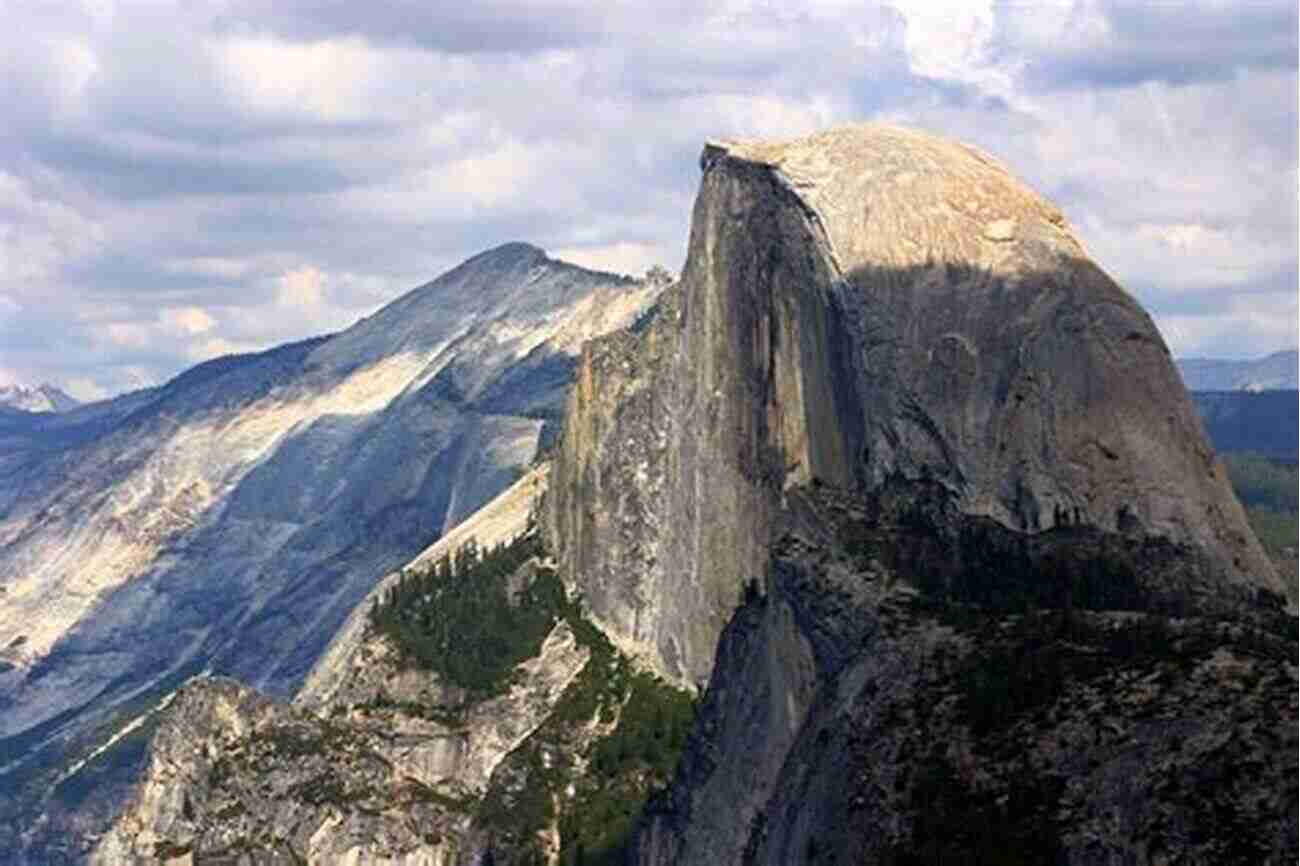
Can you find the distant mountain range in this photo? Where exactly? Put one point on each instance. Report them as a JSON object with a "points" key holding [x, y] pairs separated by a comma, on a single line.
{"points": [[1271, 372], [42, 398], [1266, 423], [1247, 406], [1275, 371]]}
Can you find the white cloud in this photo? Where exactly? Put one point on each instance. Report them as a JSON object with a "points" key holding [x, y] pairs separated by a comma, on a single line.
{"points": [[302, 288], [491, 179], [299, 164], [75, 65], [332, 79], [1073, 26], [84, 389], [127, 335], [189, 321], [1248, 327], [624, 257], [39, 232], [750, 115], [952, 40], [211, 266], [138, 377]]}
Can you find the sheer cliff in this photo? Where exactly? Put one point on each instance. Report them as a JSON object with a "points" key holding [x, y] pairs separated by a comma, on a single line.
{"points": [[233, 518], [1000, 603], [865, 303]]}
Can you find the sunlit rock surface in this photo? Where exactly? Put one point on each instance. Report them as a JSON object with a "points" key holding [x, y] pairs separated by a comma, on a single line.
{"points": [[231, 520]]}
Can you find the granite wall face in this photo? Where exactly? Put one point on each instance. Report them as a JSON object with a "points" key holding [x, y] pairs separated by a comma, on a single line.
{"points": [[866, 303]]}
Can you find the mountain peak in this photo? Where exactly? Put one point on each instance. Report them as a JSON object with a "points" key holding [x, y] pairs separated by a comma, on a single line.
{"points": [[516, 248], [890, 196], [41, 398], [510, 253]]}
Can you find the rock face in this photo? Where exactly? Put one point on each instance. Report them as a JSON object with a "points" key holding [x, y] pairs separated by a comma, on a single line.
{"points": [[888, 696], [341, 674], [867, 303], [383, 783], [232, 519], [231, 770]]}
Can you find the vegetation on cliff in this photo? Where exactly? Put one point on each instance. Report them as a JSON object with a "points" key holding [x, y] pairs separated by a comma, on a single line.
{"points": [[611, 742], [612, 739], [459, 619]]}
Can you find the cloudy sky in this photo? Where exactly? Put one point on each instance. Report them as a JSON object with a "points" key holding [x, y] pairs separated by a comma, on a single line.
{"points": [[184, 180]]}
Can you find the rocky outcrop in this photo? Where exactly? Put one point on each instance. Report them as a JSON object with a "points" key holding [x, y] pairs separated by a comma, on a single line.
{"points": [[380, 729], [861, 304], [383, 760], [233, 773], [389, 779], [344, 673], [232, 519]]}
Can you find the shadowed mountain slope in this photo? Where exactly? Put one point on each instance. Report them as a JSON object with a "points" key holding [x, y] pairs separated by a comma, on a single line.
{"points": [[1265, 422], [232, 518]]}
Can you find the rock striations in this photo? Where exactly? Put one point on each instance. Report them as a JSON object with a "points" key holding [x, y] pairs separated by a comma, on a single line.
{"points": [[866, 303]]}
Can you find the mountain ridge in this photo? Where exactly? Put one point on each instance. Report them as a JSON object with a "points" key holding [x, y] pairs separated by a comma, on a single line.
{"points": [[232, 518], [1275, 371]]}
